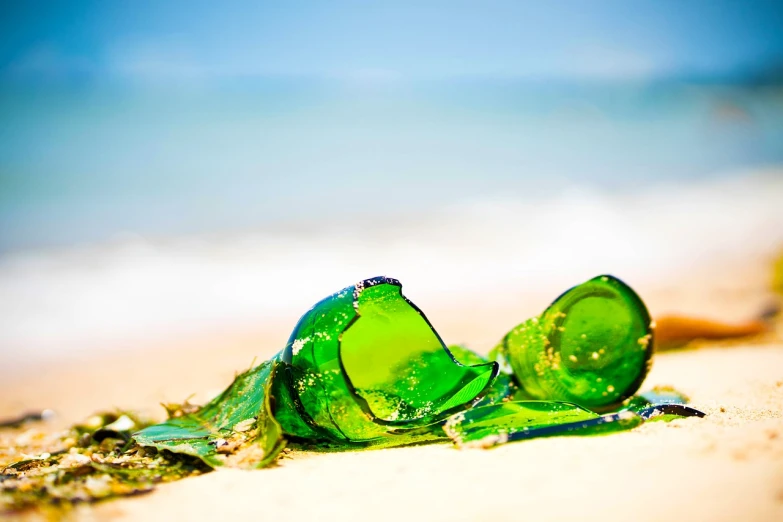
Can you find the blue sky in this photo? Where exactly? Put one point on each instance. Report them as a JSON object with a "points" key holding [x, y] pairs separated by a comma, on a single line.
{"points": [[197, 41]]}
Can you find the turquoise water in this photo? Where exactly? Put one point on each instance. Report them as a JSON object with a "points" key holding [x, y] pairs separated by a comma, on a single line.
{"points": [[84, 163]]}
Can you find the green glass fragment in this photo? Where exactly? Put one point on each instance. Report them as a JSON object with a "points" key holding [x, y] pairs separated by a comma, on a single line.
{"points": [[592, 346], [661, 403], [365, 363], [235, 428], [503, 388], [489, 426], [658, 395], [518, 420]]}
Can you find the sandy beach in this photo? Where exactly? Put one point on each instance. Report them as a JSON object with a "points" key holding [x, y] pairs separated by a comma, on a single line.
{"points": [[726, 466]]}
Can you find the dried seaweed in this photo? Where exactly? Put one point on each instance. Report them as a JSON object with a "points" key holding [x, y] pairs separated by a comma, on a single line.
{"points": [[90, 461], [236, 428]]}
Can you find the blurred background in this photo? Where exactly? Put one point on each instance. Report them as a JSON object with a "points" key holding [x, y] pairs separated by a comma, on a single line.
{"points": [[181, 170]]}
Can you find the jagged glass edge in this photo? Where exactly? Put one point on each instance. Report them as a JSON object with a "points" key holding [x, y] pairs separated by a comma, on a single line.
{"points": [[400, 425], [634, 417], [680, 410]]}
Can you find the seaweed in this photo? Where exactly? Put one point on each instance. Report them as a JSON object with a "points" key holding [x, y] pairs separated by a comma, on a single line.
{"points": [[90, 461]]}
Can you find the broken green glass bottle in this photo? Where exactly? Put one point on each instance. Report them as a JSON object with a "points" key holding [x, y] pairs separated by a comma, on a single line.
{"points": [[365, 366], [592, 346], [365, 363], [236, 428]]}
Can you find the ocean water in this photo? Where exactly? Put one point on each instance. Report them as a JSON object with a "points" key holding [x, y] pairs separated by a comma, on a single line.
{"points": [[81, 164], [150, 212]]}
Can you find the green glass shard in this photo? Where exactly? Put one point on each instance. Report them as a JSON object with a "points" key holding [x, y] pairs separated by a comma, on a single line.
{"points": [[658, 395], [365, 363], [236, 428], [661, 403], [397, 363], [518, 420], [502, 388], [592, 346], [500, 423]]}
